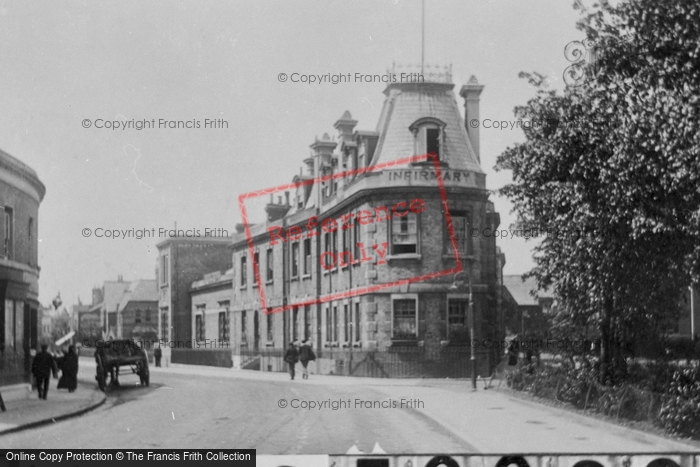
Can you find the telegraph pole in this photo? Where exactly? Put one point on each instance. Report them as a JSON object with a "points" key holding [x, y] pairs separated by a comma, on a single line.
{"points": [[422, 51]]}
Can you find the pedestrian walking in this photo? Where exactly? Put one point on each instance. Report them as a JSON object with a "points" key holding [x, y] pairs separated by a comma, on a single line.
{"points": [[291, 356], [306, 355], [42, 368], [158, 354], [512, 353], [68, 364]]}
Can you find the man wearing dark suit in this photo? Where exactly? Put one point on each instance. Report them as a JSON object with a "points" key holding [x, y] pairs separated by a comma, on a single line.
{"points": [[42, 367], [158, 354], [291, 356]]}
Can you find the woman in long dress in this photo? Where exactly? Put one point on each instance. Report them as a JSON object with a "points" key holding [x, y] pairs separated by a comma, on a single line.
{"points": [[68, 365]]}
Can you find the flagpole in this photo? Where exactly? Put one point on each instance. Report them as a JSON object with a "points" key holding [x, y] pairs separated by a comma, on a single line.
{"points": [[422, 53]]}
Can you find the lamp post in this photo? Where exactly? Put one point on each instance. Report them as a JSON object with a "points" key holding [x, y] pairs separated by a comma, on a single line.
{"points": [[470, 317], [470, 322]]}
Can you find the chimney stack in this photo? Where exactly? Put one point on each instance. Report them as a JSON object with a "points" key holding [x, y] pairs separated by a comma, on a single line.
{"points": [[309, 161], [345, 125], [278, 210], [324, 148], [471, 92], [97, 295]]}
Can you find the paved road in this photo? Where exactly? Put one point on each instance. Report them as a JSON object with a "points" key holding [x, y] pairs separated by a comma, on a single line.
{"points": [[211, 407]]}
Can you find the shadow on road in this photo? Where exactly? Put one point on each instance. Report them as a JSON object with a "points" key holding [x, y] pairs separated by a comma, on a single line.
{"points": [[128, 392]]}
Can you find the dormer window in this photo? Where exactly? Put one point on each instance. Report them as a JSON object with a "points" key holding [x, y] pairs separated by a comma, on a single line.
{"points": [[429, 137], [300, 197], [432, 141], [327, 183]]}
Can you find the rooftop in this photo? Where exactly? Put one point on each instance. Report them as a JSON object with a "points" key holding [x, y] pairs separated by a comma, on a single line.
{"points": [[114, 292], [405, 104], [213, 278], [23, 170], [521, 290], [144, 290], [181, 240], [428, 73]]}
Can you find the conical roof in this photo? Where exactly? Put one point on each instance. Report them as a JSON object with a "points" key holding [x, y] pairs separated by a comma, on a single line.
{"points": [[407, 103]]}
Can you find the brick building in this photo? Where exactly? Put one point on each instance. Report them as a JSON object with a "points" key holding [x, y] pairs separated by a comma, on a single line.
{"points": [[89, 325], [211, 318], [105, 304], [137, 316], [182, 261], [21, 191], [412, 329], [120, 310]]}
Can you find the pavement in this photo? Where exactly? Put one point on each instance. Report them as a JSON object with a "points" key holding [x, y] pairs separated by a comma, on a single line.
{"points": [[197, 405], [527, 425], [25, 409]]}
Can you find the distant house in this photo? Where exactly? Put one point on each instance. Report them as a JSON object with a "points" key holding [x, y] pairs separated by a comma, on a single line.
{"points": [[90, 323], [113, 292], [528, 313], [76, 311], [120, 310], [525, 313], [138, 312]]}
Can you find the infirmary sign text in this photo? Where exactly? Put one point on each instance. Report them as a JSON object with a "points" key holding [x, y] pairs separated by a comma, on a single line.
{"points": [[456, 176]]}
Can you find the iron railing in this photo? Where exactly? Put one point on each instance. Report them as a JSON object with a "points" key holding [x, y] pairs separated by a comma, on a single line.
{"points": [[400, 362]]}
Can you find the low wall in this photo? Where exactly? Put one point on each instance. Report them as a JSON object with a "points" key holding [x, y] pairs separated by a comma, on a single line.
{"points": [[398, 363], [207, 357]]}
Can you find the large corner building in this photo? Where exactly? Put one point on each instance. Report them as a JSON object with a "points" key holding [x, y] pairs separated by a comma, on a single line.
{"points": [[417, 329]]}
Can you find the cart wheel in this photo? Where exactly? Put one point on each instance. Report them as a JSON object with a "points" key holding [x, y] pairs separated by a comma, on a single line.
{"points": [[100, 375]]}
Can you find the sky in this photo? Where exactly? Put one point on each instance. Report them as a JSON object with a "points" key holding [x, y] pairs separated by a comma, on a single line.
{"points": [[70, 67]]}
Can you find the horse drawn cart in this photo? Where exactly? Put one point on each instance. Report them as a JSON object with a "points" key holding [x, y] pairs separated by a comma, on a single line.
{"points": [[113, 354]]}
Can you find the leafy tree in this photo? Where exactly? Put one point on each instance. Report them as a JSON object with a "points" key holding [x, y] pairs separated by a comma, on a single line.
{"points": [[614, 173]]}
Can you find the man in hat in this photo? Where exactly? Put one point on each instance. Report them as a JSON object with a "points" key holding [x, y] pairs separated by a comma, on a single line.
{"points": [[42, 367], [291, 356], [157, 354]]}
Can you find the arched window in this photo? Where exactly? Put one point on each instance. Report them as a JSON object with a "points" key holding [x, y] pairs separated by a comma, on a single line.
{"points": [[507, 461], [440, 461], [429, 137], [329, 184], [662, 462]]}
